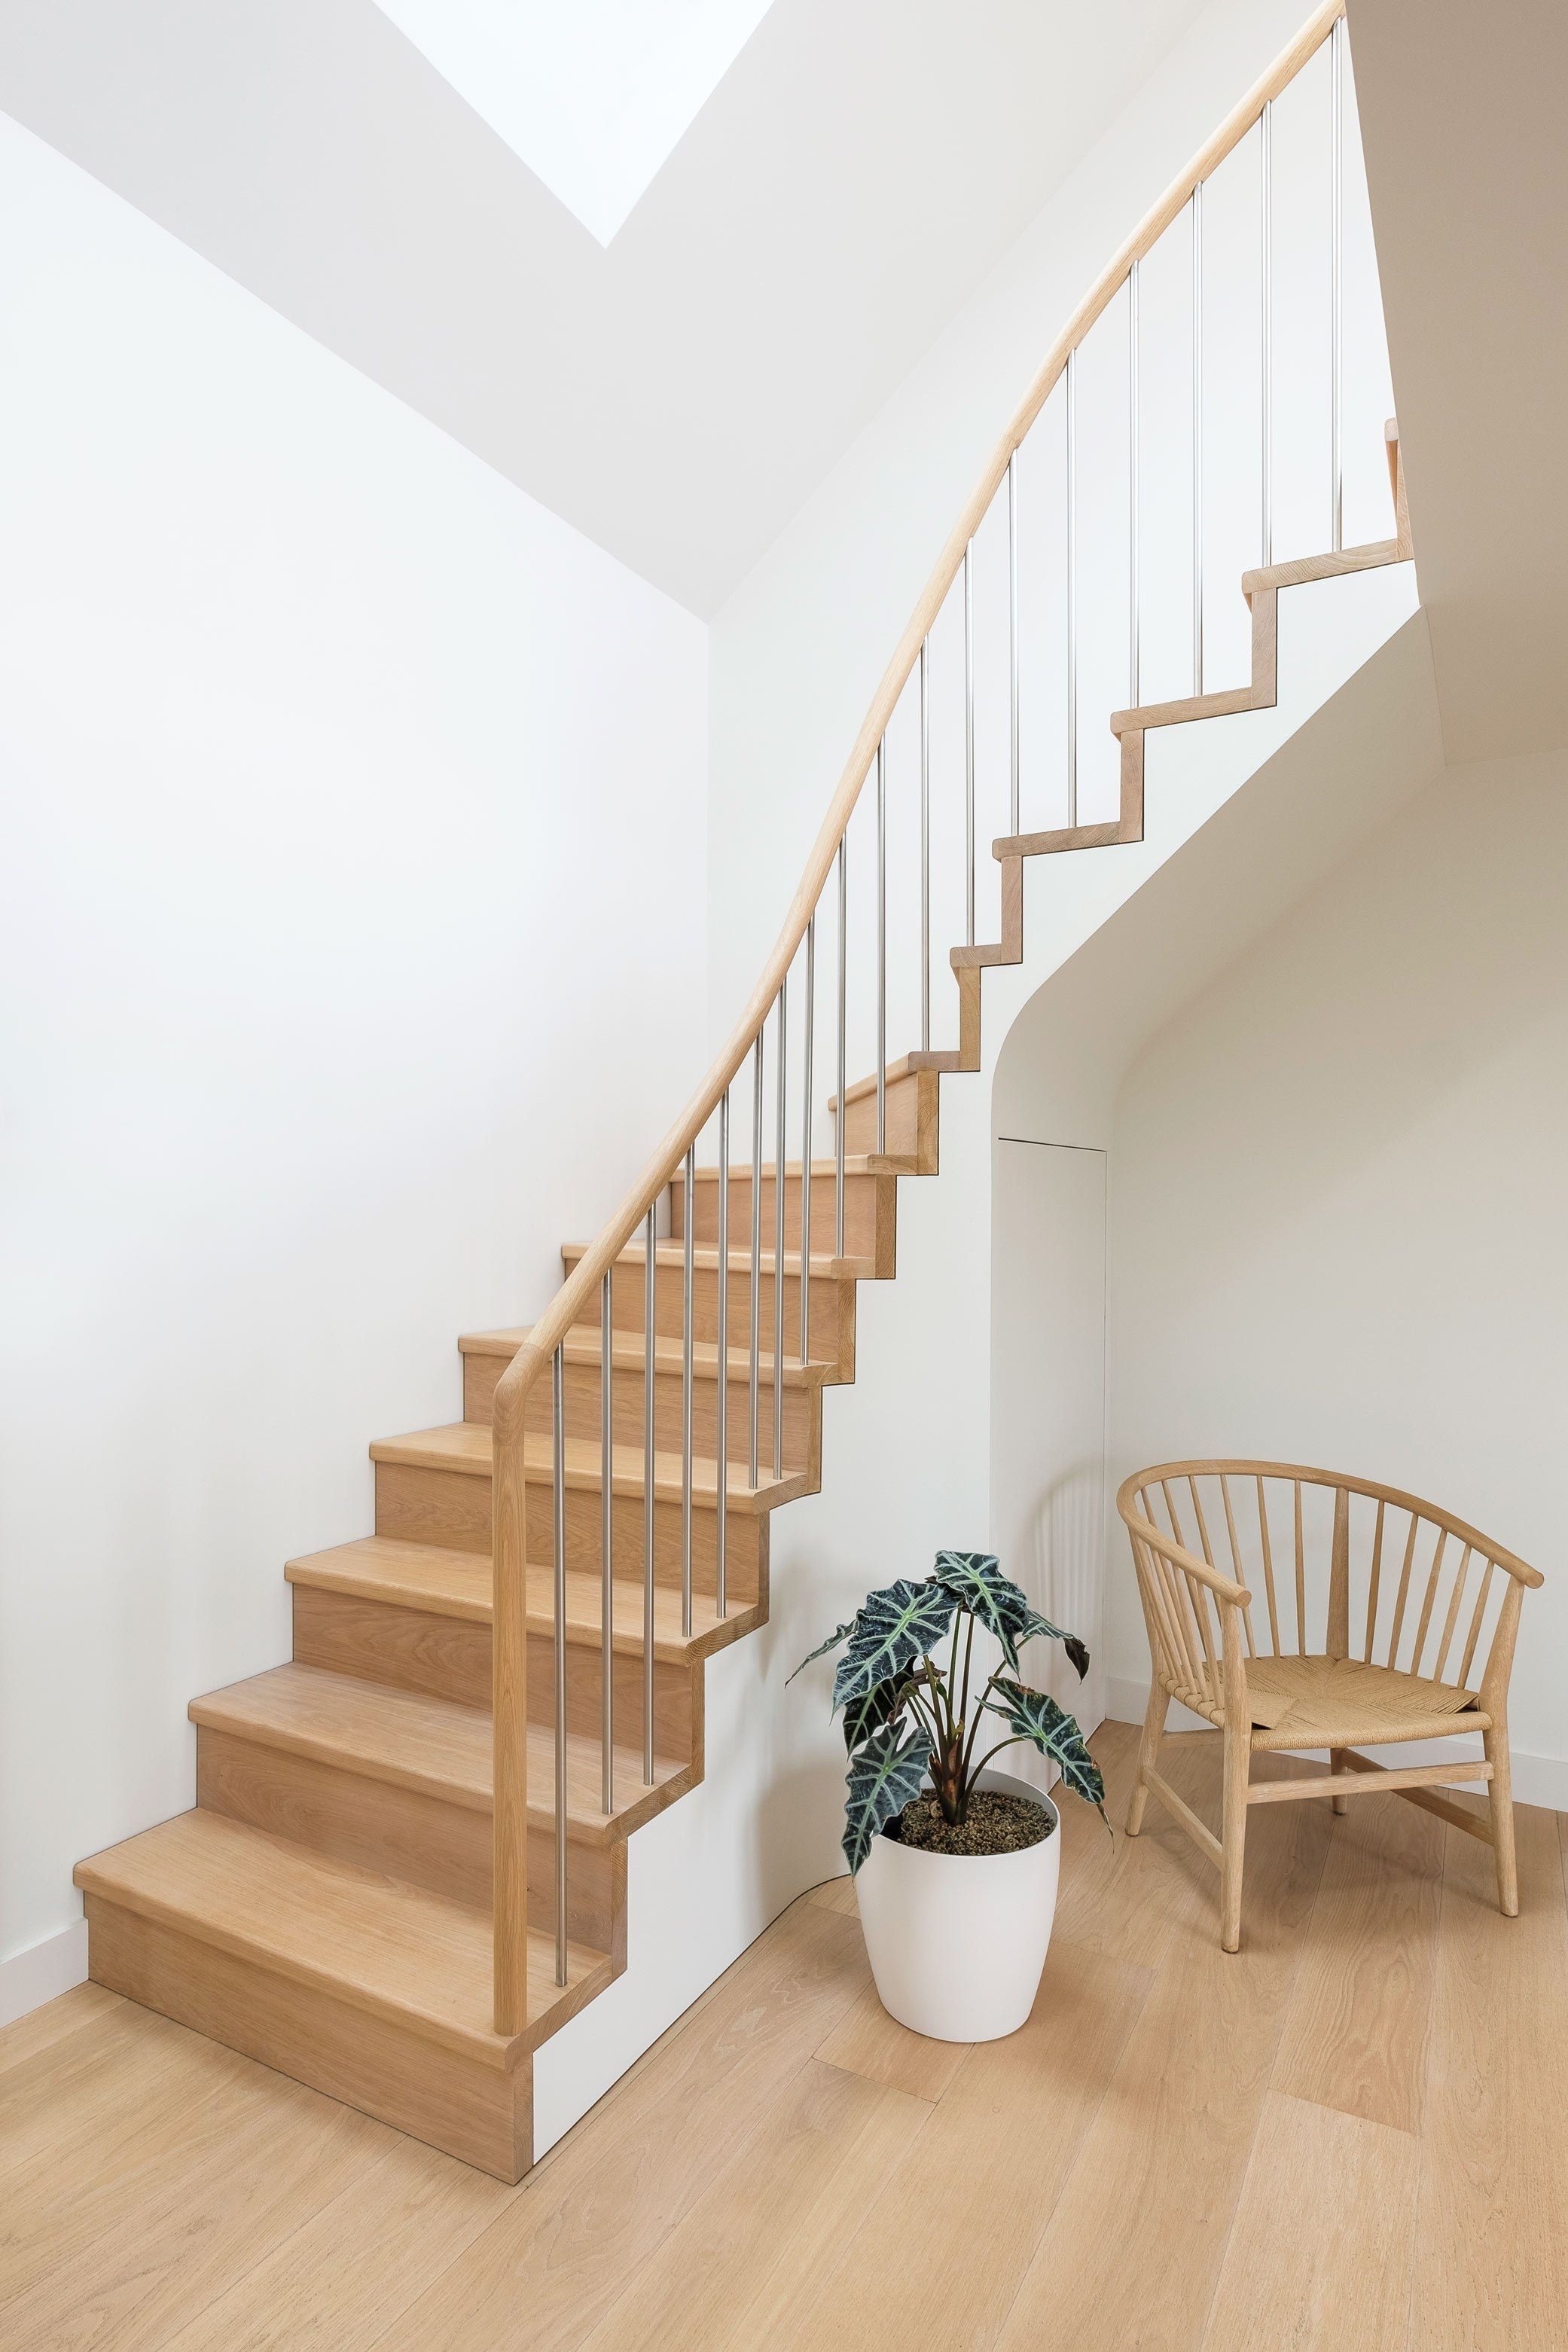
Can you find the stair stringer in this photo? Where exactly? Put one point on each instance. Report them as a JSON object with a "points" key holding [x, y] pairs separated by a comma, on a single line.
{"points": [[906, 1447]]}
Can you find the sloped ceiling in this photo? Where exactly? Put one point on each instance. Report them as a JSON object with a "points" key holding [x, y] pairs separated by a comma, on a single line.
{"points": [[679, 394]]}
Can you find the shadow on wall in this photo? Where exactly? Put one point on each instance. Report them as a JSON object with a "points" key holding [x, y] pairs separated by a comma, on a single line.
{"points": [[1056, 1559]]}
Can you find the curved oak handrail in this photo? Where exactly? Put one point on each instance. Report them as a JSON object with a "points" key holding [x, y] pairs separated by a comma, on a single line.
{"points": [[582, 1287]]}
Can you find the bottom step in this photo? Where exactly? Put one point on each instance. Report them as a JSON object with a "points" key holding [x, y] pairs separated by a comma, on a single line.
{"points": [[375, 1992]]}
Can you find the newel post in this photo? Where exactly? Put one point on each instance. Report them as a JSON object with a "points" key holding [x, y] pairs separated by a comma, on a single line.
{"points": [[509, 1694]]}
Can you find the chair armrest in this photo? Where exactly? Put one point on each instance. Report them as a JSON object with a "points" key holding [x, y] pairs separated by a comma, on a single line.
{"points": [[1224, 1587]]}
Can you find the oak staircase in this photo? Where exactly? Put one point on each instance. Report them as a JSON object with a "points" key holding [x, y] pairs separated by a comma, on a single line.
{"points": [[329, 1904]]}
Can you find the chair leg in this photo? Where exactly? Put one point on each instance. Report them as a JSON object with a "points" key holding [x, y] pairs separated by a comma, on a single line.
{"points": [[1336, 1764], [1499, 1789], [1155, 1716], [1232, 1833]]}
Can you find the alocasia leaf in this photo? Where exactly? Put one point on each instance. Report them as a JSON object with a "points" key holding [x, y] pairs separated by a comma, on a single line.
{"points": [[882, 1779], [896, 1626], [1036, 1716], [838, 1635], [1076, 1650], [976, 1580], [874, 1708]]}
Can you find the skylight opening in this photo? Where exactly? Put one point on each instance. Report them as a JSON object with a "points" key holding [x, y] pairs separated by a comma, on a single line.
{"points": [[593, 97]]}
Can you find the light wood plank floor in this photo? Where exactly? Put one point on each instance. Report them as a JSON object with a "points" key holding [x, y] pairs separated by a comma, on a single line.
{"points": [[1354, 2135]]}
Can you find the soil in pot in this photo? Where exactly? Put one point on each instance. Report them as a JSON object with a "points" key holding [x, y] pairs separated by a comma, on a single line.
{"points": [[998, 1823]]}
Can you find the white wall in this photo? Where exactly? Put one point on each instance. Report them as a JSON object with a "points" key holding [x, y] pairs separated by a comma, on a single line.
{"points": [[1337, 1228], [354, 813]]}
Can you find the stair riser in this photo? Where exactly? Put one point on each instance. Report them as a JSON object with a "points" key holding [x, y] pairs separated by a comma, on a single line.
{"points": [[449, 1507], [870, 1207], [832, 1332], [580, 1396], [480, 2115], [451, 1658], [911, 1107], [402, 1833]]}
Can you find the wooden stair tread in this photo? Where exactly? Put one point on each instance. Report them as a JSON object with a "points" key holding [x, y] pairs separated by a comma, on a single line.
{"points": [[397, 1951], [467, 1446], [432, 1577], [1297, 571], [705, 1257], [446, 1583], [906, 1067], [436, 1745], [856, 1163], [583, 1345], [1227, 702]]}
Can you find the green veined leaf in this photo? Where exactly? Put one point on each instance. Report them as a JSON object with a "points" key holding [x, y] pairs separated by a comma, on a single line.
{"points": [[896, 1626], [976, 1580], [1076, 1650], [874, 1708], [838, 1635], [1036, 1716], [882, 1779]]}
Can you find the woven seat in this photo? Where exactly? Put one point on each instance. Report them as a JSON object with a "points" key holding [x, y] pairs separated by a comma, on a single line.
{"points": [[1429, 1596], [1345, 1703]]}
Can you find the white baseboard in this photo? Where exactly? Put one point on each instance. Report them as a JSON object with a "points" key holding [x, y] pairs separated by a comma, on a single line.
{"points": [[1537, 1779], [43, 1972]]}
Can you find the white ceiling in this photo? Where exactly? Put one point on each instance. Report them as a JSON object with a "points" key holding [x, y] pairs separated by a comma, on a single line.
{"points": [[676, 395], [1461, 115]]}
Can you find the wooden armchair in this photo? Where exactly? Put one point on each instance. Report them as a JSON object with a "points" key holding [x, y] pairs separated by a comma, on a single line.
{"points": [[1400, 1576]]}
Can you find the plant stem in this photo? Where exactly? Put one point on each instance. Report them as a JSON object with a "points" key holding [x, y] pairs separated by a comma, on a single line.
{"points": [[1019, 1739], [920, 1702], [946, 1763], [940, 1707], [975, 1728], [964, 1709]]}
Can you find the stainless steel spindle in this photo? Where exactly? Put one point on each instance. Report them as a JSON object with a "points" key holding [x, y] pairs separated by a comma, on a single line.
{"points": [[1012, 637], [688, 1286], [559, 1630], [1265, 179], [925, 856], [650, 1436], [781, 1144], [1133, 486], [843, 999], [968, 747], [1336, 330], [607, 1561], [1072, 583], [1198, 438], [722, 1392], [806, 1144], [882, 945], [756, 1245]]}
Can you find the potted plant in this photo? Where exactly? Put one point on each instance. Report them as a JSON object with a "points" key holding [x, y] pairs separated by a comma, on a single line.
{"points": [[955, 1863]]}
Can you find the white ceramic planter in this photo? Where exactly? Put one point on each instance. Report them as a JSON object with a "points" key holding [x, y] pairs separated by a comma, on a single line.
{"points": [[958, 1941]]}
